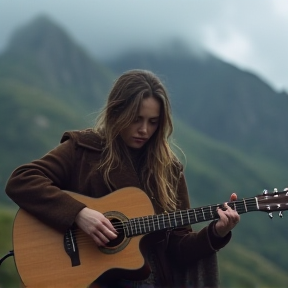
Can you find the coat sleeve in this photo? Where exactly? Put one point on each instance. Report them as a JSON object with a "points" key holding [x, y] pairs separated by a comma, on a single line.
{"points": [[37, 187], [186, 245]]}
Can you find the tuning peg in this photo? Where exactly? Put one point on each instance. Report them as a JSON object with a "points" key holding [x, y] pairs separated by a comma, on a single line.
{"points": [[275, 191], [270, 215], [265, 192], [280, 214]]}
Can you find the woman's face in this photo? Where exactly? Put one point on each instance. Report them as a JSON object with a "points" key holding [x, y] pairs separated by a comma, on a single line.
{"points": [[144, 126]]}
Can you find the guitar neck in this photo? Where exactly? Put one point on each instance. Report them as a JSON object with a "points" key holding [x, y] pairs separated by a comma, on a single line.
{"points": [[180, 218]]}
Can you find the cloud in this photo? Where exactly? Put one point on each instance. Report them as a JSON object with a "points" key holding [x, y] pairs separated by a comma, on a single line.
{"points": [[231, 45], [250, 34]]}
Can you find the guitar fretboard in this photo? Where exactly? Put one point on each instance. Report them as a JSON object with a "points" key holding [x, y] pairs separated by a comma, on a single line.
{"points": [[180, 218]]}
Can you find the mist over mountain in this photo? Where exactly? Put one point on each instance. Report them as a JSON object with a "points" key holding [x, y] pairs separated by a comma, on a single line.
{"points": [[219, 99], [56, 63], [230, 124]]}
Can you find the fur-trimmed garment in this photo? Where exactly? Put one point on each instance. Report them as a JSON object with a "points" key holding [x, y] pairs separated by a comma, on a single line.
{"points": [[180, 257]]}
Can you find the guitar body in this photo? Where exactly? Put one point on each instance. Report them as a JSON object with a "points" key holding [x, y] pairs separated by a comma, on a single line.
{"points": [[46, 258], [41, 258]]}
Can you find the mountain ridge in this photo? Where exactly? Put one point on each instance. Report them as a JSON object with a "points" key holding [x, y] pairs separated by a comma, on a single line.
{"points": [[69, 71], [214, 107], [213, 167]]}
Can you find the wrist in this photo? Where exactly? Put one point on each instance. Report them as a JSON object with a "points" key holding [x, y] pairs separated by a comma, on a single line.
{"points": [[217, 233]]}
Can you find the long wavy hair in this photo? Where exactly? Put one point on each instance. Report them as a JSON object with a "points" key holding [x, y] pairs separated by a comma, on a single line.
{"points": [[160, 167]]}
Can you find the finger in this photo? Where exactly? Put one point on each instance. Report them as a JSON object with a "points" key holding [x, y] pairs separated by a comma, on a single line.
{"points": [[110, 226], [232, 215], [233, 197], [100, 239], [228, 213], [221, 213], [104, 236], [225, 206], [108, 233]]}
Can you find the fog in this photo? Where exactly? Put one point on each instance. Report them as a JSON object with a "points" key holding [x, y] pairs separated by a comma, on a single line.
{"points": [[249, 34]]}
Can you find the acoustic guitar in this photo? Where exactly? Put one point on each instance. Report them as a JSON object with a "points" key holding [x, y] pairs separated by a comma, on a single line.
{"points": [[46, 258]]}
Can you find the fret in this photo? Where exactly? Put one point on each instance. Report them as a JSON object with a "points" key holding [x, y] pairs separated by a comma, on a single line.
{"points": [[148, 224], [257, 204], [134, 226], [145, 223], [125, 228], [180, 212], [179, 219], [192, 217], [130, 226], [140, 224], [211, 213], [188, 216], [175, 219], [245, 205], [157, 217], [163, 216], [153, 223], [199, 214], [196, 220], [142, 218], [203, 213], [170, 225]]}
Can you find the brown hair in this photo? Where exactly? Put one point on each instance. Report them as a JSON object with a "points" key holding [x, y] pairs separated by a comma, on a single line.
{"points": [[159, 166]]}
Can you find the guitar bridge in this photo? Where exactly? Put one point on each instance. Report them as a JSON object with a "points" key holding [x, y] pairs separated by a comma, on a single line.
{"points": [[71, 247]]}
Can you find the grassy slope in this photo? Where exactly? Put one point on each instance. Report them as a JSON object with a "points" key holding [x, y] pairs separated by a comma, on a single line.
{"points": [[213, 171], [212, 178], [242, 268], [8, 273], [36, 124]]}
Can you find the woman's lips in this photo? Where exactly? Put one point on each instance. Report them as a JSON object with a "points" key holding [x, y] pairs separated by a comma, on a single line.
{"points": [[141, 140]]}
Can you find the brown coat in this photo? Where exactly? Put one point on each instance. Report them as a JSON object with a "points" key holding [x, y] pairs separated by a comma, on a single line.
{"points": [[36, 187]]}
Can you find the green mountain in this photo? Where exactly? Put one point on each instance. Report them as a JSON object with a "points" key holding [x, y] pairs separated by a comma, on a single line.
{"points": [[49, 84], [218, 99], [236, 140], [44, 56]]}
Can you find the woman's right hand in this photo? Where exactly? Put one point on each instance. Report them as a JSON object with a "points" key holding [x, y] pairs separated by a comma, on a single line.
{"points": [[96, 225]]}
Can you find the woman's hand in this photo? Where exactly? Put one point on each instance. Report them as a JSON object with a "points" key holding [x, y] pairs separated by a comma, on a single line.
{"points": [[228, 218], [96, 225]]}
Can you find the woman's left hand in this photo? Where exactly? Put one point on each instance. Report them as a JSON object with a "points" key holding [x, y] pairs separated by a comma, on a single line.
{"points": [[228, 218]]}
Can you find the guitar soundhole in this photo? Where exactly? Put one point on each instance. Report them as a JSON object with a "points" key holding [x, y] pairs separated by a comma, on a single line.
{"points": [[114, 246]]}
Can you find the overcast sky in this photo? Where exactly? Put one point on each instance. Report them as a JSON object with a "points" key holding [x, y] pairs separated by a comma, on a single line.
{"points": [[252, 34]]}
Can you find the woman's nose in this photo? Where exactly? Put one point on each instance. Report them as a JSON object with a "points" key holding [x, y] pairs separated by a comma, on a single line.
{"points": [[143, 128]]}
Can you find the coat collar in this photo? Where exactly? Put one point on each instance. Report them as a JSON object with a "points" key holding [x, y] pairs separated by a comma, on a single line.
{"points": [[86, 138], [125, 176]]}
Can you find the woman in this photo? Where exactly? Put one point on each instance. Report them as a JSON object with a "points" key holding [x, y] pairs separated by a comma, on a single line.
{"points": [[128, 147]]}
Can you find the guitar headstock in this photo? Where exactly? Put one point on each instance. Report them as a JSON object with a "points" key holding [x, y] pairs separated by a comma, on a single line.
{"points": [[273, 201]]}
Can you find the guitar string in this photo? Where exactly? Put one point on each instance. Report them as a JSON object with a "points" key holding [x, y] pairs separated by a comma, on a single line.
{"points": [[178, 217], [181, 216], [83, 239]]}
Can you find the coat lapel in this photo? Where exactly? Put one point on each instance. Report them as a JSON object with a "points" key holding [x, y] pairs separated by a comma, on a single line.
{"points": [[125, 176]]}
